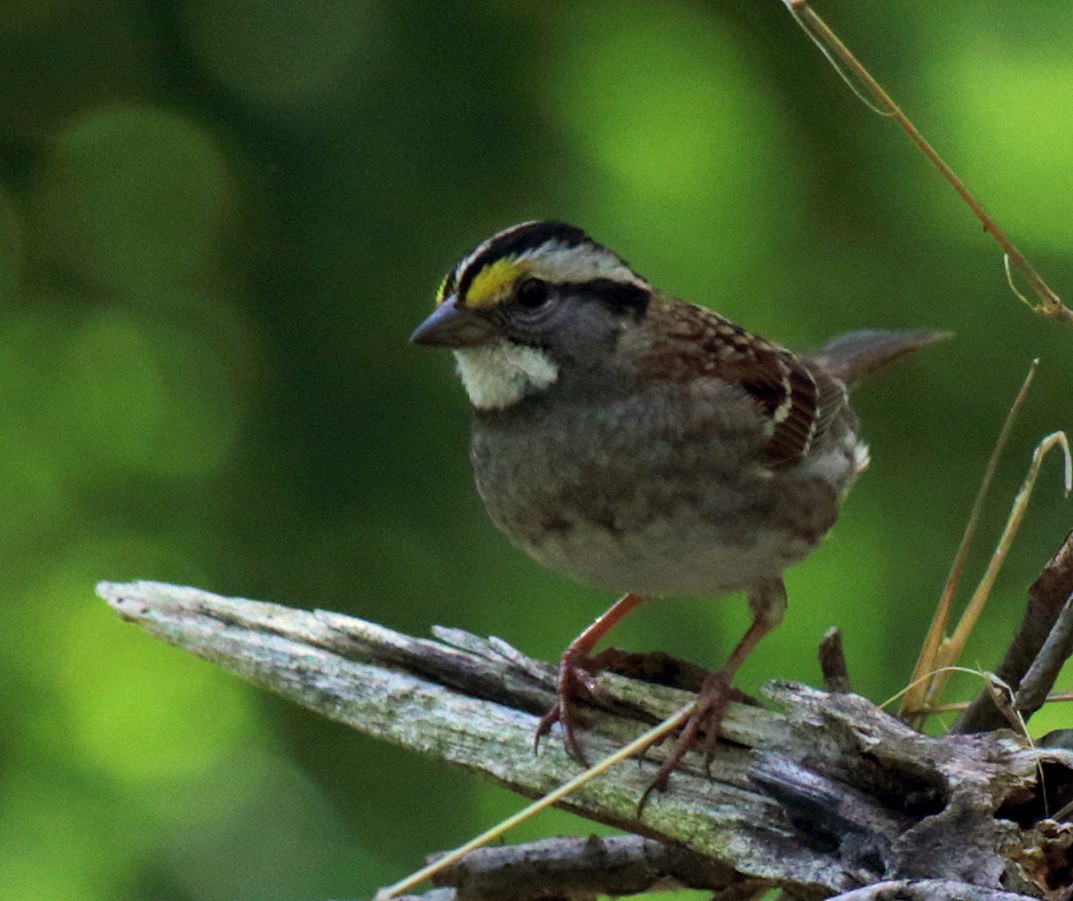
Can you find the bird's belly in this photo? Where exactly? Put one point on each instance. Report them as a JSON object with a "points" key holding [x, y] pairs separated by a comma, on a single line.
{"points": [[679, 555], [640, 508], [687, 537]]}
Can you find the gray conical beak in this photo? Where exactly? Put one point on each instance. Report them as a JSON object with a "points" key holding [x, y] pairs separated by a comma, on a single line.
{"points": [[453, 326]]}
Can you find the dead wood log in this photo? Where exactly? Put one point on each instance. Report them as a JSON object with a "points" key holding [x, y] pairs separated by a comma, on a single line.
{"points": [[821, 795]]}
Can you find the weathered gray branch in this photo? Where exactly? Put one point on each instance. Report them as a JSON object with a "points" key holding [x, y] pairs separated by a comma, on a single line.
{"points": [[823, 795], [1038, 650], [833, 662], [569, 867]]}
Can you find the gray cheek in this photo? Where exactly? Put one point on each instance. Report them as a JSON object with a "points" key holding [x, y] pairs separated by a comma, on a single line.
{"points": [[584, 332]]}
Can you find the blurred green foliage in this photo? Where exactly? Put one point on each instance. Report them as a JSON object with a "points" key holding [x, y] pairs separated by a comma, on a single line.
{"points": [[219, 223]]}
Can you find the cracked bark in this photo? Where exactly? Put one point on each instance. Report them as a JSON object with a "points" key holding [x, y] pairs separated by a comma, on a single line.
{"points": [[818, 794]]}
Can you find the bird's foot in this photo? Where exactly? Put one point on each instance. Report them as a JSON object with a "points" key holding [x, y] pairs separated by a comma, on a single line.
{"points": [[701, 729], [575, 682]]}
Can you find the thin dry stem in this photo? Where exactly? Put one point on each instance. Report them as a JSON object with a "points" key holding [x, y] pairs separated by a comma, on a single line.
{"points": [[637, 746], [950, 649], [928, 660], [868, 89]]}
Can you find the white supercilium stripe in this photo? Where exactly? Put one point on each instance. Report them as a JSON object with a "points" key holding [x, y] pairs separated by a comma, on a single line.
{"points": [[558, 262]]}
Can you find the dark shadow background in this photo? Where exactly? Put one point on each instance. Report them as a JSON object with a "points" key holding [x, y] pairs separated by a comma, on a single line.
{"points": [[219, 222]]}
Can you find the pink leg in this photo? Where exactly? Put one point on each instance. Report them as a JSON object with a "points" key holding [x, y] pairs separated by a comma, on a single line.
{"points": [[767, 603], [576, 677]]}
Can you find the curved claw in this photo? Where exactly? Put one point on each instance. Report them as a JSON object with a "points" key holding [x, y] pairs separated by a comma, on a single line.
{"points": [[575, 682], [702, 727]]}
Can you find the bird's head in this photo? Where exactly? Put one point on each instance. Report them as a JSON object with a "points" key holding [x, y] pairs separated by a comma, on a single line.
{"points": [[528, 303]]}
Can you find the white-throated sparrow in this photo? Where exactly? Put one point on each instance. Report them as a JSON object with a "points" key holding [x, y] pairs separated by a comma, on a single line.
{"points": [[643, 444]]}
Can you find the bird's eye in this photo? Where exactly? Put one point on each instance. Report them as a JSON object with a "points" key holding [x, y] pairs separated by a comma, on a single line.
{"points": [[532, 293]]}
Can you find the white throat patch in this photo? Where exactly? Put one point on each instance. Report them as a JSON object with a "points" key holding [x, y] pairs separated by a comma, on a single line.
{"points": [[500, 374]]}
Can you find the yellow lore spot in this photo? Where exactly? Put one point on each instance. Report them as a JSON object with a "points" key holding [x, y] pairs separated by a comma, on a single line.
{"points": [[442, 289], [490, 284]]}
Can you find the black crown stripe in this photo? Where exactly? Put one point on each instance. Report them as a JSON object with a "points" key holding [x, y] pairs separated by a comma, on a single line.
{"points": [[517, 240], [622, 297]]}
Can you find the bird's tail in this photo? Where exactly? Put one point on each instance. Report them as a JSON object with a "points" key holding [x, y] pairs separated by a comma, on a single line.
{"points": [[856, 355]]}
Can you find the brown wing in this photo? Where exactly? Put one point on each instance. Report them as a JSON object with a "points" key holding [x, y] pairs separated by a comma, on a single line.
{"points": [[799, 400]]}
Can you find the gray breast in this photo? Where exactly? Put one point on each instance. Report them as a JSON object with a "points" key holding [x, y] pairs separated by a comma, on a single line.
{"points": [[660, 492]]}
